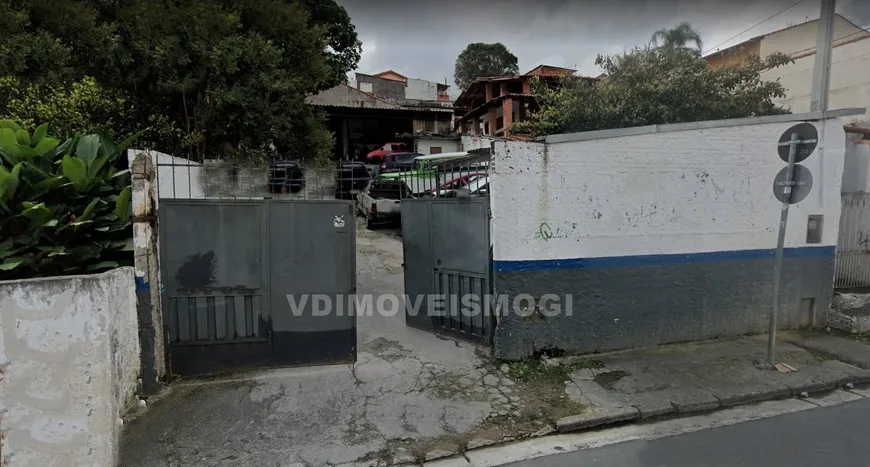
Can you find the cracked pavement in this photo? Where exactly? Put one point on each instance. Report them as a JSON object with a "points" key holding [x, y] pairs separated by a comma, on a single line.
{"points": [[411, 395]]}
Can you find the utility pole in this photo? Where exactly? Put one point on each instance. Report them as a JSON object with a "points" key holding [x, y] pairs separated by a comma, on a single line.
{"points": [[822, 68], [791, 183], [780, 245]]}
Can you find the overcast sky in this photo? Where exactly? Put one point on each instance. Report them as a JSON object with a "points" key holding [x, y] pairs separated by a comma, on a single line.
{"points": [[422, 39]]}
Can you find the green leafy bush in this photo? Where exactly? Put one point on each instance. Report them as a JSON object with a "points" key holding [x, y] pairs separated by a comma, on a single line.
{"points": [[78, 107], [654, 86], [64, 207]]}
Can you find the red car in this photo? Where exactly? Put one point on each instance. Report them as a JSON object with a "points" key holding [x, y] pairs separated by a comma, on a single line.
{"points": [[457, 182], [377, 156]]}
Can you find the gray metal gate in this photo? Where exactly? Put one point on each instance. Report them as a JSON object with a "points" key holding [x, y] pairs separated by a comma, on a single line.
{"points": [[853, 244], [239, 278], [447, 266]]}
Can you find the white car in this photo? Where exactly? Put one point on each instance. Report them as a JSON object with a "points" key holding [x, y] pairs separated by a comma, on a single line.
{"points": [[381, 200], [477, 187]]}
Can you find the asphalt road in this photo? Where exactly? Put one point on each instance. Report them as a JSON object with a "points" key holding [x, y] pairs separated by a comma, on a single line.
{"points": [[830, 437]]}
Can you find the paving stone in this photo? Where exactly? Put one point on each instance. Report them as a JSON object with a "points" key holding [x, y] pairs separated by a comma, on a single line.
{"points": [[749, 394], [490, 380], [695, 403], [652, 405], [583, 374], [478, 443], [844, 349], [438, 454]]}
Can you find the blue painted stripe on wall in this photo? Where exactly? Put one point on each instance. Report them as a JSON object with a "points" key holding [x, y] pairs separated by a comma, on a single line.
{"points": [[650, 260], [142, 285]]}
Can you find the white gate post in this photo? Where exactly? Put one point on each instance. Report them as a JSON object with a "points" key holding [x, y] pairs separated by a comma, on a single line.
{"points": [[147, 268]]}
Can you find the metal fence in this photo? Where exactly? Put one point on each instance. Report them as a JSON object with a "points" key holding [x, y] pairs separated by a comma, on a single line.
{"points": [[455, 177], [180, 178], [853, 244]]}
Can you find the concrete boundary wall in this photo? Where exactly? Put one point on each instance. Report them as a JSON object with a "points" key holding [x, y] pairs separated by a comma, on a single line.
{"points": [[660, 234], [69, 351], [471, 143]]}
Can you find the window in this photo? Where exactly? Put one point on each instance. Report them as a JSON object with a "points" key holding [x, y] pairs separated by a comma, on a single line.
{"points": [[435, 150]]}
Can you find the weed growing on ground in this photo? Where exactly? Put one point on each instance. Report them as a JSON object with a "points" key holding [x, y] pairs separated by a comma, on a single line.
{"points": [[536, 371]]}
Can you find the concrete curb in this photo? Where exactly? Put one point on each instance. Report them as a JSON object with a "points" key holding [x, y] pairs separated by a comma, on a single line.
{"points": [[537, 448], [604, 417], [596, 417]]}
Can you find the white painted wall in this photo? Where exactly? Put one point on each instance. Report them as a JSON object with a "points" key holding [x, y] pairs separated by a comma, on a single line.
{"points": [[664, 193], [421, 89], [856, 174], [850, 79], [470, 142], [69, 348], [803, 37], [181, 178], [425, 145]]}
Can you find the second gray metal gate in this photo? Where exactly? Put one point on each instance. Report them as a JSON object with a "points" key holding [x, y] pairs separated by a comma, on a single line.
{"points": [[448, 264], [240, 280], [853, 244]]}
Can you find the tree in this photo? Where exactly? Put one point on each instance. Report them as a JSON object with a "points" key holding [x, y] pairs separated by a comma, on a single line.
{"points": [[652, 86], [77, 107], [219, 77], [479, 59], [345, 49], [679, 36]]}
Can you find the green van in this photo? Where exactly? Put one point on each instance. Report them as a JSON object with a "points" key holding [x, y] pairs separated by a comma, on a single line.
{"points": [[421, 177]]}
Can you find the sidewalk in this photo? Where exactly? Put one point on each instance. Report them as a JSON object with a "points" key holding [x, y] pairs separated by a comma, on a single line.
{"points": [[697, 377]]}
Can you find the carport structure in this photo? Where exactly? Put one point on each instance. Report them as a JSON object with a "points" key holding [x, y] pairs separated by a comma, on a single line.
{"points": [[362, 121]]}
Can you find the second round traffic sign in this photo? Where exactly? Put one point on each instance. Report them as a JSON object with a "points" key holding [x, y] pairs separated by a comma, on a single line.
{"points": [[803, 180]]}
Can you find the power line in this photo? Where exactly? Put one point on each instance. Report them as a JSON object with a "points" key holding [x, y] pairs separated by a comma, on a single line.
{"points": [[862, 31], [756, 25]]}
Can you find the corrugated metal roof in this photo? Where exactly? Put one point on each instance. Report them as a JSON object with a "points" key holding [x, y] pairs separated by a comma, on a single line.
{"points": [[346, 96]]}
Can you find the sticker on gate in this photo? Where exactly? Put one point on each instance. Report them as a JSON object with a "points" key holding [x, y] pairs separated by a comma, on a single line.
{"points": [[338, 221]]}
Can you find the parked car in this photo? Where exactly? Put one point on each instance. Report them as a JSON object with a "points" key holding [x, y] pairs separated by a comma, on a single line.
{"points": [[421, 177], [477, 187], [381, 201], [377, 156], [398, 162], [286, 176], [424, 165], [455, 183], [350, 178]]}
